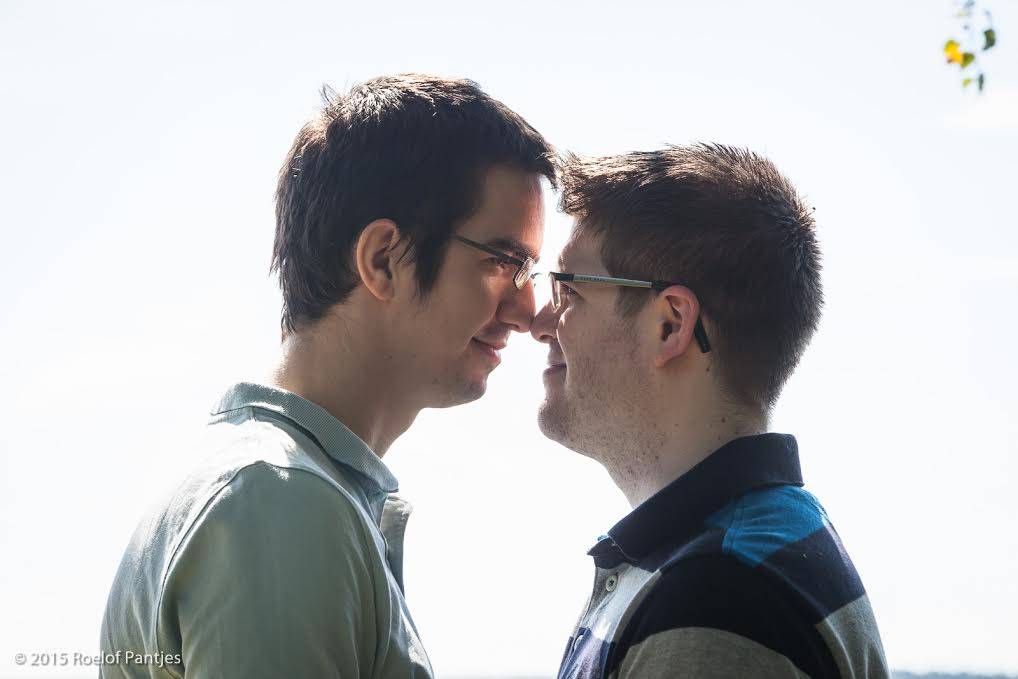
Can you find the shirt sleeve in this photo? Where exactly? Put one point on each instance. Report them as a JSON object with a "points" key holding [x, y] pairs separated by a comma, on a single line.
{"points": [[716, 618], [274, 580]]}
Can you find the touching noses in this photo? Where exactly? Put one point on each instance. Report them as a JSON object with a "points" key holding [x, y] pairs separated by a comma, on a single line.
{"points": [[517, 307], [542, 328]]}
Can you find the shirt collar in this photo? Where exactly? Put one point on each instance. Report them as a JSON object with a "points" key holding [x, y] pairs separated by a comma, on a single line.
{"points": [[678, 510], [333, 436]]}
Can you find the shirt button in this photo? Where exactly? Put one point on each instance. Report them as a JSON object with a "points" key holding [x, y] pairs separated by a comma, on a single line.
{"points": [[611, 583]]}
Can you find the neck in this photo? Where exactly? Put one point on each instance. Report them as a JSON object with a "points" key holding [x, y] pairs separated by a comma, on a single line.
{"points": [[662, 454], [352, 378]]}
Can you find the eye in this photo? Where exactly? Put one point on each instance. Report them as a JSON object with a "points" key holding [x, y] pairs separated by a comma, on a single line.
{"points": [[567, 296], [501, 262]]}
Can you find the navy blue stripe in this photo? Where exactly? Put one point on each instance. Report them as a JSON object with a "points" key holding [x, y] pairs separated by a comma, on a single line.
{"points": [[708, 543], [819, 569], [725, 594]]}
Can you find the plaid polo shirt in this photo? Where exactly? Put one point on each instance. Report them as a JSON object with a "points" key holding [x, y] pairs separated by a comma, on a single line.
{"points": [[732, 570]]}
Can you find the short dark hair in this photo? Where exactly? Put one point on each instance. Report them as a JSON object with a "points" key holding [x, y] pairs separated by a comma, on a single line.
{"points": [[724, 222], [411, 148]]}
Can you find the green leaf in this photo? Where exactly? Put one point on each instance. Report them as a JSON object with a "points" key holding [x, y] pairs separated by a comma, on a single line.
{"points": [[981, 81], [990, 37], [967, 58]]}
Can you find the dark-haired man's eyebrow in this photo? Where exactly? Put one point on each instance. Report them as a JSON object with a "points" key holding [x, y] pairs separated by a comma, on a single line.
{"points": [[512, 246]]}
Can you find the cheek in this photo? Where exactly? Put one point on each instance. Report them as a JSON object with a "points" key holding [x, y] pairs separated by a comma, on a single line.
{"points": [[460, 309], [578, 343], [596, 352], [473, 313], [570, 330]]}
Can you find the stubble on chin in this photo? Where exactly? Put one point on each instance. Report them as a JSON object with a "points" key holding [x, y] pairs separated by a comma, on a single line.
{"points": [[466, 391], [591, 421], [457, 390], [552, 421], [559, 420]]}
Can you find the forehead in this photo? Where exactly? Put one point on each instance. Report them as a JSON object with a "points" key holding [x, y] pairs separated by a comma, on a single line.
{"points": [[581, 253], [511, 212]]}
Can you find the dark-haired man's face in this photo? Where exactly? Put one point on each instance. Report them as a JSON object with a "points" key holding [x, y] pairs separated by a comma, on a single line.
{"points": [[474, 305], [593, 368]]}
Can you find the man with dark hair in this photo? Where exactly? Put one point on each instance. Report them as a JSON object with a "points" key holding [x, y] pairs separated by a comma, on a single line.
{"points": [[688, 290], [409, 216]]}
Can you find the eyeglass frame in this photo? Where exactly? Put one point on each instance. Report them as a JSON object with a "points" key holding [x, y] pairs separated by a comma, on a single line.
{"points": [[524, 274], [556, 299]]}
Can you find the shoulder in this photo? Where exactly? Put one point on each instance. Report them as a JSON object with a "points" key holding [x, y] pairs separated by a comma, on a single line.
{"points": [[281, 528], [260, 496], [260, 466], [786, 536], [762, 522], [248, 439], [249, 480]]}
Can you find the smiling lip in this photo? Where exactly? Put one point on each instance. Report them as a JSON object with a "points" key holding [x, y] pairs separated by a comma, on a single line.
{"points": [[554, 368], [489, 350]]}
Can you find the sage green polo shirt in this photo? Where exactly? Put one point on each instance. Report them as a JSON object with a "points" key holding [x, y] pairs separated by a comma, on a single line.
{"points": [[280, 555]]}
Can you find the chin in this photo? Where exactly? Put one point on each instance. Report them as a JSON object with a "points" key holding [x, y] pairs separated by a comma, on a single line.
{"points": [[471, 391], [553, 422], [463, 391], [559, 422]]}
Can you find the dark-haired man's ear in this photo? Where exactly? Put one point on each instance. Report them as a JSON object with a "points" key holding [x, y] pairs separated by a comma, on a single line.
{"points": [[676, 312], [375, 257]]}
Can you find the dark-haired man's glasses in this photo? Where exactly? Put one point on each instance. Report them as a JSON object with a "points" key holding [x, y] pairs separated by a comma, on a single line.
{"points": [[525, 267], [557, 295]]}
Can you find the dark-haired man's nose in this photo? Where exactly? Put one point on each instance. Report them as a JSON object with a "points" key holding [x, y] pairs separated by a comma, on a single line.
{"points": [[545, 322], [517, 308]]}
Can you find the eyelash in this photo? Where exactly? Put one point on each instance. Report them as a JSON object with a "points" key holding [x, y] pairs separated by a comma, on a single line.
{"points": [[499, 261]]}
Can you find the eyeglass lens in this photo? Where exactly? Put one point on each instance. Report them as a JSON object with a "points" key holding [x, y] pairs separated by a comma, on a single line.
{"points": [[523, 275]]}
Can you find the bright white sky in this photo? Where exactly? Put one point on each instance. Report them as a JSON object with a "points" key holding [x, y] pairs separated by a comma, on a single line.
{"points": [[140, 148]]}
